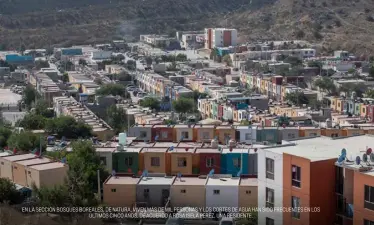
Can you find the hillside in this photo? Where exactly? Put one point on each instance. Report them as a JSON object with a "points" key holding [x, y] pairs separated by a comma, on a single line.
{"points": [[331, 24], [41, 23]]}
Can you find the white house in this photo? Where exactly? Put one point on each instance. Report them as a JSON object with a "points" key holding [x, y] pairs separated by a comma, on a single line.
{"points": [[222, 191], [101, 55], [270, 185], [105, 155], [246, 134]]}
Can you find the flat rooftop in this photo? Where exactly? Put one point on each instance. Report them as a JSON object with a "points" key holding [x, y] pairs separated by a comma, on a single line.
{"points": [[189, 144], [19, 157], [33, 161], [324, 148], [165, 180], [207, 150], [160, 150], [164, 144], [248, 182], [235, 150], [224, 181], [190, 181], [101, 149], [2, 154], [182, 150], [122, 180], [48, 166]]}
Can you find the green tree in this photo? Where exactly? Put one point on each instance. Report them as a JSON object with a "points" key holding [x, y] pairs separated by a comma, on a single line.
{"points": [[29, 96], [315, 64], [116, 118], [227, 59], [198, 95], [351, 71], [111, 89], [371, 71], [67, 126], [26, 141], [41, 108], [131, 64], [152, 103], [82, 62], [297, 98], [148, 60], [325, 84], [293, 60], [8, 192], [32, 121], [245, 123], [123, 76], [181, 57], [65, 77], [172, 67], [369, 93], [183, 105], [57, 196], [5, 133], [82, 175]]}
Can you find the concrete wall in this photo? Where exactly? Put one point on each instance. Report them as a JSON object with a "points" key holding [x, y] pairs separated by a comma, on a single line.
{"points": [[194, 196], [155, 198], [228, 197], [123, 195]]}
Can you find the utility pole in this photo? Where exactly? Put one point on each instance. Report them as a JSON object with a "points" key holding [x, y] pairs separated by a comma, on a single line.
{"points": [[98, 185]]}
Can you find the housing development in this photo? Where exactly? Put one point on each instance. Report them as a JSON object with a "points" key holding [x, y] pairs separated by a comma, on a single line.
{"points": [[195, 123]]}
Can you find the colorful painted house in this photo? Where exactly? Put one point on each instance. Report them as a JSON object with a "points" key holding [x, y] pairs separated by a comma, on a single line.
{"points": [[225, 134], [181, 160], [183, 133], [163, 132], [156, 160], [268, 134], [208, 159], [233, 160], [128, 160], [203, 133]]}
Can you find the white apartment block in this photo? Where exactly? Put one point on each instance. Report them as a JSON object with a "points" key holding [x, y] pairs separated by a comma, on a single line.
{"points": [[220, 37], [270, 186]]}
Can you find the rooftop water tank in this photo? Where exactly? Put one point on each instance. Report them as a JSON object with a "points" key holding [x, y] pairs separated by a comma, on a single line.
{"points": [[122, 138], [214, 143], [232, 143]]}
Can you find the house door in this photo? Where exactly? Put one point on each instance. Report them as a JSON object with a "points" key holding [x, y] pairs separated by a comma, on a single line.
{"points": [[165, 196]]}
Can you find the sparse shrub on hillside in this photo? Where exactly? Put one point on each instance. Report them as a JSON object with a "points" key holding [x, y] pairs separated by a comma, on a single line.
{"points": [[370, 18], [338, 23], [317, 35], [324, 4], [300, 34]]}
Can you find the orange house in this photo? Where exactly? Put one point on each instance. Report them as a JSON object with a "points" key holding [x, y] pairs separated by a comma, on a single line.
{"points": [[332, 132], [309, 132], [181, 160], [309, 191], [156, 160], [183, 133], [351, 131], [163, 132], [363, 199], [203, 133], [225, 133]]}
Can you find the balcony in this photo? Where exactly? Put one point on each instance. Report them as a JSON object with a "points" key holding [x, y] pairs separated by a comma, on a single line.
{"points": [[343, 208]]}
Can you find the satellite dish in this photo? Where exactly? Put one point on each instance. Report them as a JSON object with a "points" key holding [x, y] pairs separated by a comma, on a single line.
{"points": [[358, 160], [365, 158], [372, 157], [369, 151]]}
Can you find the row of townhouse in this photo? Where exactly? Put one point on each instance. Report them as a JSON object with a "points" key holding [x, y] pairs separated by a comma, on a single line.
{"points": [[186, 158], [160, 86], [320, 180], [276, 87], [363, 108], [203, 192], [45, 86], [68, 106], [29, 169]]}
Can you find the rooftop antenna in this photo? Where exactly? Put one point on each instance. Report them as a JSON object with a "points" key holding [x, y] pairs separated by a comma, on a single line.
{"points": [[210, 174], [342, 156], [114, 174]]}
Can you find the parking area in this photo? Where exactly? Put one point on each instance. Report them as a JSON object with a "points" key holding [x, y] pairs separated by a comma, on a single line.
{"points": [[7, 97]]}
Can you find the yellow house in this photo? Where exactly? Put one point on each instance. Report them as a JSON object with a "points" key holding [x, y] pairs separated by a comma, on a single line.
{"points": [[363, 110], [333, 103]]}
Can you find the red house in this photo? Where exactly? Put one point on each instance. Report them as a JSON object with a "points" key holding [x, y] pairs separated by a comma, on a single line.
{"points": [[220, 112], [209, 158], [162, 133]]}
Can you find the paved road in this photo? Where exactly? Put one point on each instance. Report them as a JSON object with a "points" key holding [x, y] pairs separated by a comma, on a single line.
{"points": [[13, 117]]}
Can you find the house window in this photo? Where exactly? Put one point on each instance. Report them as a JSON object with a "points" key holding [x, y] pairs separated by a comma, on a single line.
{"points": [[291, 135], [182, 162], [269, 198], [363, 110], [295, 207], [205, 135], [155, 161], [237, 162], [143, 134], [114, 190], [248, 136], [216, 192], [146, 193], [209, 162], [185, 134], [270, 168], [164, 134], [368, 222], [128, 161], [248, 192], [269, 221], [183, 191], [369, 197], [312, 134], [103, 161], [296, 176]]}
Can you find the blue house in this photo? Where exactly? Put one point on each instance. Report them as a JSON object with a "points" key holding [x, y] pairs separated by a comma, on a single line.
{"points": [[233, 160], [19, 59], [71, 51]]}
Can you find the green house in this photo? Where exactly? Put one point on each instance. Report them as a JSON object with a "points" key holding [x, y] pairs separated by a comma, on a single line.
{"points": [[126, 160]]}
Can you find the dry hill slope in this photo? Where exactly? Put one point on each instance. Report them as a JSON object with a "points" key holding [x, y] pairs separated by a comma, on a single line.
{"points": [[331, 24]]}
